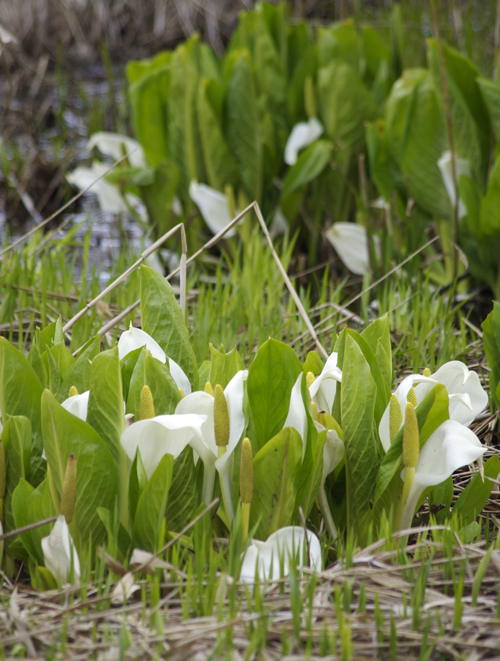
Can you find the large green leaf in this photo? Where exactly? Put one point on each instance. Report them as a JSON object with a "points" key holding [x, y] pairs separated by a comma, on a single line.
{"points": [[184, 142], [345, 103], [105, 410], [339, 42], [223, 366], [58, 361], [310, 474], [377, 334], [161, 317], [432, 411], [473, 498], [29, 506], [271, 377], [220, 165], [310, 164], [360, 441], [243, 123], [490, 207], [151, 372], [79, 373], [16, 437], [469, 115], [491, 340], [97, 482], [490, 90], [151, 506], [276, 468], [185, 491], [20, 394]]}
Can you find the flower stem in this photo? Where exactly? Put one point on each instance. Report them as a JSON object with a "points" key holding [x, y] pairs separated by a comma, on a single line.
{"points": [[326, 514]]}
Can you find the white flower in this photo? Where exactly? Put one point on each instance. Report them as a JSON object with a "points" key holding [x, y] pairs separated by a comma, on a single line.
{"points": [[135, 338], [213, 207], [462, 166], [59, 552], [108, 195], [285, 545], [205, 445], [324, 386], [350, 240], [467, 397], [450, 447], [116, 146], [161, 435], [302, 135], [297, 417], [78, 405], [333, 453]]}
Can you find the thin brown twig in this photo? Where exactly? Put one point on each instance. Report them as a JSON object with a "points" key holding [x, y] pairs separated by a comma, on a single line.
{"points": [[30, 526]]}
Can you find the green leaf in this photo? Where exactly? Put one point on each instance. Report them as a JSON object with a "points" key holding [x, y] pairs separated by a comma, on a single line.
{"points": [[345, 103], [161, 317], [243, 123], [491, 339], [310, 474], [36, 362], [16, 437], [360, 441], [79, 373], [59, 360], [377, 334], [130, 177], [310, 164], [119, 541], [432, 411], [97, 482], [313, 363], [147, 96], [490, 211], [382, 390], [137, 483], [442, 494], [20, 394], [151, 372], [276, 468], [151, 506], [184, 495], [159, 196], [219, 163], [224, 366], [271, 377], [490, 91], [473, 498], [29, 506], [105, 410]]}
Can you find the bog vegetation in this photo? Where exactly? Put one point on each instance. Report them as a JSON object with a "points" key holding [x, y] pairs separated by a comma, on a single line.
{"points": [[251, 435]]}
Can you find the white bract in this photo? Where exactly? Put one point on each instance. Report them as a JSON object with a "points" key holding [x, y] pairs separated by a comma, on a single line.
{"points": [[117, 145], [462, 166], [302, 135], [135, 338], [467, 397], [59, 552], [161, 435], [297, 417], [350, 240], [324, 386], [213, 206], [271, 559], [450, 447], [205, 445], [78, 405], [109, 197]]}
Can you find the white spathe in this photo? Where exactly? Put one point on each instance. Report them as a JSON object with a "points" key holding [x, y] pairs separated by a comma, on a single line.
{"points": [[462, 166], [59, 552], [297, 416], [117, 145], [450, 447], [161, 435], [467, 397], [302, 135], [459, 380], [282, 547], [78, 405], [324, 386], [213, 206], [333, 453], [135, 338], [205, 445], [350, 241], [108, 195]]}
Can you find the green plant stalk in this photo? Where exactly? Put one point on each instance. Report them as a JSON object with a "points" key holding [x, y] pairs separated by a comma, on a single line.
{"points": [[326, 514], [123, 471]]}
